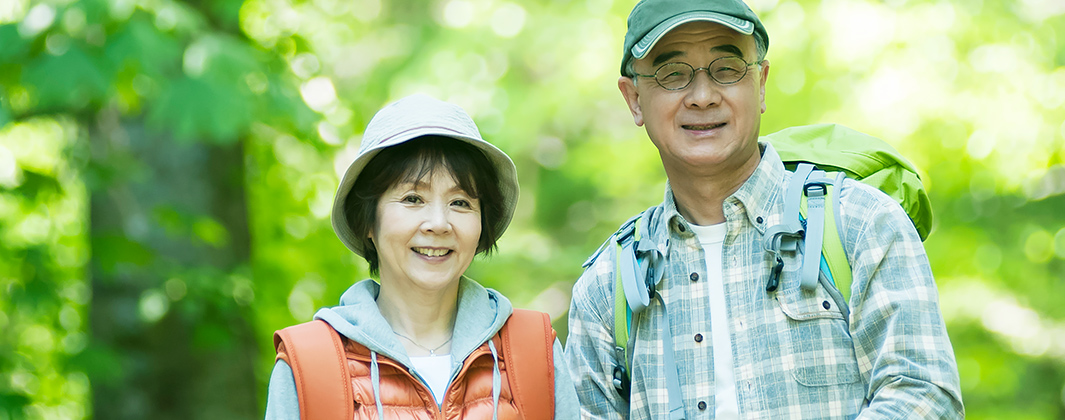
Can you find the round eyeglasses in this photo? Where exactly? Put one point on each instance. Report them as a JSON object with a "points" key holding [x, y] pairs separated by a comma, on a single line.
{"points": [[677, 76]]}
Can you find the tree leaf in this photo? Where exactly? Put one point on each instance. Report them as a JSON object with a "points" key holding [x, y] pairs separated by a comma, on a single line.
{"points": [[197, 109], [71, 81], [141, 45], [14, 46], [37, 187]]}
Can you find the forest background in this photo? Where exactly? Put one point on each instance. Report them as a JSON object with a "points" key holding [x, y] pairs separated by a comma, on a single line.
{"points": [[167, 169]]}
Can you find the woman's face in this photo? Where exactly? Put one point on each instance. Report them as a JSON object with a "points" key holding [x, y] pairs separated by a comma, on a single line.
{"points": [[427, 232]]}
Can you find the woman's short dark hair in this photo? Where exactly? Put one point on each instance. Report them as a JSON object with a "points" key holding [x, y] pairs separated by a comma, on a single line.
{"points": [[417, 159]]}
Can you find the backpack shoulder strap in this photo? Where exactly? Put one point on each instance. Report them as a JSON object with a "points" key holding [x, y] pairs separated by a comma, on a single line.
{"points": [[835, 254], [825, 260], [816, 195], [528, 350], [638, 267], [315, 353], [629, 291], [637, 270]]}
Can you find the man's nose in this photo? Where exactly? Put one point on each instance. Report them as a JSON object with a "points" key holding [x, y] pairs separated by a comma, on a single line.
{"points": [[703, 92]]}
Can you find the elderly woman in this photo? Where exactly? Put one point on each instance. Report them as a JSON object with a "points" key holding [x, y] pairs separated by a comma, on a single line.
{"points": [[424, 195]]}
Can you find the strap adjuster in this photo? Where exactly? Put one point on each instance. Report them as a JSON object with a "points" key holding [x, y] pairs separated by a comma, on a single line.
{"points": [[815, 190]]}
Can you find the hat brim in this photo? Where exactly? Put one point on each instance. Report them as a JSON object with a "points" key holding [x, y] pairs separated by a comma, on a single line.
{"points": [[508, 180], [647, 43]]}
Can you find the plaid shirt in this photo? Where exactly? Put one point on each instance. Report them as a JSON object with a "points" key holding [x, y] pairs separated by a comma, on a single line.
{"points": [[795, 356]]}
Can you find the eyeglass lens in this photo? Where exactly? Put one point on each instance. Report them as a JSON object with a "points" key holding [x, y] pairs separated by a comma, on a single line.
{"points": [[724, 70]]}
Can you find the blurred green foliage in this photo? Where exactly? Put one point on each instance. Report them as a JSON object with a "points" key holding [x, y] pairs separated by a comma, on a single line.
{"points": [[972, 91]]}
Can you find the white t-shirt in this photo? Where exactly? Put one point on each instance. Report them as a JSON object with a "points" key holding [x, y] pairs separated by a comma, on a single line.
{"points": [[436, 370], [712, 238]]}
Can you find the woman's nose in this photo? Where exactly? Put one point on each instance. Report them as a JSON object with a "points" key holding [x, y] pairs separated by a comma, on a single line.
{"points": [[436, 219]]}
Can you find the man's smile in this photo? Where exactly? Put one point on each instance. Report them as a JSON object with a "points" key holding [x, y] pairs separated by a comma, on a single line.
{"points": [[702, 127]]}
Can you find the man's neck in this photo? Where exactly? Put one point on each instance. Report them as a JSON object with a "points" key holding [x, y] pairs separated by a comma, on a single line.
{"points": [[700, 197]]}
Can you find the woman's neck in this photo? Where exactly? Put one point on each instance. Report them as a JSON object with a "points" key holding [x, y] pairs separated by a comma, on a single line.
{"points": [[425, 317]]}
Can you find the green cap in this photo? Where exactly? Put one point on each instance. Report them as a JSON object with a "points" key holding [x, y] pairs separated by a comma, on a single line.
{"points": [[651, 19]]}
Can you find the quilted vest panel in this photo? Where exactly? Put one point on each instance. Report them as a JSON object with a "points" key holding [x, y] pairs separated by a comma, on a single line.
{"points": [[403, 396]]}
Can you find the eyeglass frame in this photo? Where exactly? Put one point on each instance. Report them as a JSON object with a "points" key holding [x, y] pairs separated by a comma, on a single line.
{"points": [[746, 69]]}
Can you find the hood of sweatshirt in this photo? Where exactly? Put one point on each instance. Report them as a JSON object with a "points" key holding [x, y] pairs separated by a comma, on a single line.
{"points": [[481, 312]]}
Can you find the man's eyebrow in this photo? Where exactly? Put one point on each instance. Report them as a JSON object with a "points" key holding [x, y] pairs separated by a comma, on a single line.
{"points": [[728, 48], [666, 56]]}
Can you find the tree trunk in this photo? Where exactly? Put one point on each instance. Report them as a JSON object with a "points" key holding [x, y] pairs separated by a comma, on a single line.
{"points": [[169, 315]]}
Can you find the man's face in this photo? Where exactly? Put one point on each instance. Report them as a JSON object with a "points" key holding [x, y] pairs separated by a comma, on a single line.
{"points": [[705, 128]]}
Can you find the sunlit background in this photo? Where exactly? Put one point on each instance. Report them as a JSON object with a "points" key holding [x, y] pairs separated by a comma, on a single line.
{"points": [[167, 170]]}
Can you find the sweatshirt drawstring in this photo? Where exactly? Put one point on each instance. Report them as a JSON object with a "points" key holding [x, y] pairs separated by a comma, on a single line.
{"points": [[496, 382], [375, 378]]}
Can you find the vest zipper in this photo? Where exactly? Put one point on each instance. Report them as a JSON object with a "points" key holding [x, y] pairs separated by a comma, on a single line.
{"points": [[438, 412]]}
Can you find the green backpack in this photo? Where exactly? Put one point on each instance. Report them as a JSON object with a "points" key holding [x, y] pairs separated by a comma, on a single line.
{"points": [[820, 156]]}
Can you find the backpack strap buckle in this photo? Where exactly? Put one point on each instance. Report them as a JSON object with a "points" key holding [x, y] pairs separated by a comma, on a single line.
{"points": [[621, 381], [786, 235], [815, 189]]}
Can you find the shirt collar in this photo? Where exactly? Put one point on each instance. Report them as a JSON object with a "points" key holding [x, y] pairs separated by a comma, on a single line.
{"points": [[758, 194], [756, 197]]}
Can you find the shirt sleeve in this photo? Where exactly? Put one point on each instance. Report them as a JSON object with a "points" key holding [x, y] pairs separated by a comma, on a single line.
{"points": [[900, 338], [590, 344], [566, 405], [281, 400]]}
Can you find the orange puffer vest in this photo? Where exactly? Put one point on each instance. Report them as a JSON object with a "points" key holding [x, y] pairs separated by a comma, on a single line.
{"points": [[405, 397], [334, 380]]}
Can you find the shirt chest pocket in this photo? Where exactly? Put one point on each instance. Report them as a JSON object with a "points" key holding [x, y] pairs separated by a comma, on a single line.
{"points": [[819, 340]]}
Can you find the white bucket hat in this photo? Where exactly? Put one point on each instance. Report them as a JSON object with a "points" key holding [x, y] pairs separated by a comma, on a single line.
{"points": [[412, 117]]}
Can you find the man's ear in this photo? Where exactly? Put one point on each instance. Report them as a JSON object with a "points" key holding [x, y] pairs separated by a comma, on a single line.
{"points": [[765, 75], [627, 85]]}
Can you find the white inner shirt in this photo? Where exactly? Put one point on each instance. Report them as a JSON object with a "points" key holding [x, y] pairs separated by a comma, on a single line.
{"points": [[727, 406], [436, 370]]}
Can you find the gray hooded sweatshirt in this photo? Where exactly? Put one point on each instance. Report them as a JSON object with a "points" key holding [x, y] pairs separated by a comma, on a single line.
{"points": [[481, 313]]}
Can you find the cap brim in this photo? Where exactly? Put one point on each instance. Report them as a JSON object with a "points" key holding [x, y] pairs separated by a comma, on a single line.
{"points": [[648, 42]]}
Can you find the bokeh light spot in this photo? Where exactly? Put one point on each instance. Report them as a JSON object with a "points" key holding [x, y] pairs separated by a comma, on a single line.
{"points": [[9, 170], [176, 289], [550, 152], [319, 93], [458, 13], [508, 20], [1039, 246], [194, 61], [153, 305], [980, 144], [1059, 243], [12, 10], [37, 20]]}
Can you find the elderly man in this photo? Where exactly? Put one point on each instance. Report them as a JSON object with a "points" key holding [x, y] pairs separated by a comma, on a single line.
{"points": [[714, 341]]}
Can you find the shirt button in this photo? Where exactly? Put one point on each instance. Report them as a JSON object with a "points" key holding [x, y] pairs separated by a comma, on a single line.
{"points": [[702, 405], [759, 219], [694, 276], [681, 228], [826, 305], [698, 338]]}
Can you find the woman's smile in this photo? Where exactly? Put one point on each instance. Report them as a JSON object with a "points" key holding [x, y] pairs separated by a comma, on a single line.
{"points": [[432, 252]]}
